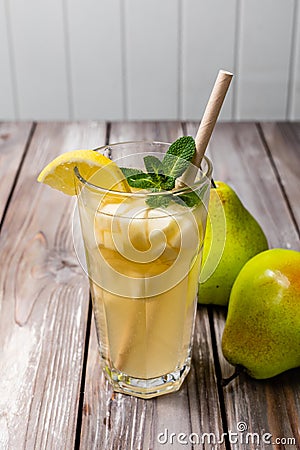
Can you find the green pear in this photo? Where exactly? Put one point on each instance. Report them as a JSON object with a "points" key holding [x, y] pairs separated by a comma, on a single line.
{"points": [[232, 237], [262, 330]]}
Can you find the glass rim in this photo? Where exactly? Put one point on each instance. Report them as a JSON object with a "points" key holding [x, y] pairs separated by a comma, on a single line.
{"points": [[177, 191]]}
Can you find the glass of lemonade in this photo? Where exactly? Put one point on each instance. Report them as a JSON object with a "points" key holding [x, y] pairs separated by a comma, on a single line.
{"points": [[143, 253]]}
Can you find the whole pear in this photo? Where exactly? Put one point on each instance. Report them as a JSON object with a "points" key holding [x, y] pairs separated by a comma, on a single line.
{"points": [[262, 330], [232, 237]]}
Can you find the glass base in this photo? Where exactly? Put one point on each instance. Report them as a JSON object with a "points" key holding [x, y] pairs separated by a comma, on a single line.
{"points": [[147, 388]]}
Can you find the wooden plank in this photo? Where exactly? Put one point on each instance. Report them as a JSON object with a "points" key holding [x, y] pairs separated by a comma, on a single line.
{"points": [[44, 301], [283, 140], [120, 421], [208, 43], [40, 59], [7, 106], [151, 75], [96, 74], [13, 140], [128, 131], [239, 158], [264, 59], [294, 91]]}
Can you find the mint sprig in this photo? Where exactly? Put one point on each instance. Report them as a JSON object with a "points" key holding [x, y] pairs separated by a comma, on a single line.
{"points": [[161, 175]]}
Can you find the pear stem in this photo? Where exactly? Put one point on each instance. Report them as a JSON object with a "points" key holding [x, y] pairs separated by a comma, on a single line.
{"points": [[236, 373]]}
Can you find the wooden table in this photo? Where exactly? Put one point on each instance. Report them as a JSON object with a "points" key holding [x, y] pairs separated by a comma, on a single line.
{"points": [[52, 391]]}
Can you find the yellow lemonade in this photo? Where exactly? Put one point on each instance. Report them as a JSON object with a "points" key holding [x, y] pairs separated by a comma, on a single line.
{"points": [[144, 266]]}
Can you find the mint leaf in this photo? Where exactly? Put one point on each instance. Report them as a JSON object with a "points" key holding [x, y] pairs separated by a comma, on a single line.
{"points": [[192, 198], [128, 172], [174, 166], [189, 199], [159, 201], [167, 183], [143, 181], [184, 147], [178, 156], [153, 165]]}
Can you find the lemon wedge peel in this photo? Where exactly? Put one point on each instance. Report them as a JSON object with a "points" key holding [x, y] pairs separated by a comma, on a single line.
{"points": [[59, 173]]}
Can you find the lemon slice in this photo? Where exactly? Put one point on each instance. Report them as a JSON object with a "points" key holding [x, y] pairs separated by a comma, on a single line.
{"points": [[59, 173]]}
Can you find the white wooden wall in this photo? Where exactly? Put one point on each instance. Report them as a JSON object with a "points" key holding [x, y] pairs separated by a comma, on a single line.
{"points": [[148, 59]]}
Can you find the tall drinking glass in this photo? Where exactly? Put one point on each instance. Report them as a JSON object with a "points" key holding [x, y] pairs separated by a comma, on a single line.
{"points": [[143, 253]]}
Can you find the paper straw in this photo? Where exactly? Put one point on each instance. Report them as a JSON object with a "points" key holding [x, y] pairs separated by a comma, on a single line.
{"points": [[207, 125]]}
